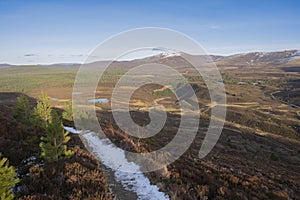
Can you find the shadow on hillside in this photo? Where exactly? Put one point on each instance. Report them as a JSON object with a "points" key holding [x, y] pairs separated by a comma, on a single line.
{"points": [[10, 98], [291, 69]]}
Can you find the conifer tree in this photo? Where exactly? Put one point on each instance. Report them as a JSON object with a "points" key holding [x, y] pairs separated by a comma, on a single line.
{"points": [[68, 114], [53, 145], [22, 110], [7, 179], [42, 112]]}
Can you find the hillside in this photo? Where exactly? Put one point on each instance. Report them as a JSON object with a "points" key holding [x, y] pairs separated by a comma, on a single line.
{"points": [[256, 156], [79, 177]]}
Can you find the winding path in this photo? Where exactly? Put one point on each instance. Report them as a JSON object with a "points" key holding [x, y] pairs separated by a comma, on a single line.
{"points": [[115, 158]]}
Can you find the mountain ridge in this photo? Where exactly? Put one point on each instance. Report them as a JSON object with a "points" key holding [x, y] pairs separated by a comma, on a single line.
{"points": [[251, 58]]}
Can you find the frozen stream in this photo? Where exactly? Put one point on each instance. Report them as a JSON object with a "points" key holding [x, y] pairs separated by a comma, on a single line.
{"points": [[114, 158]]}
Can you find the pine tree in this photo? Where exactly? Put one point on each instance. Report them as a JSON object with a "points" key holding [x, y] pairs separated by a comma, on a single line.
{"points": [[42, 112], [68, 114], [22, 110], [7, 179], [53, 145]]}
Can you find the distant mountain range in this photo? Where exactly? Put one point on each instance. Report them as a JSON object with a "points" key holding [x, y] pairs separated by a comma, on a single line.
{"points": [[274, 58], [280, 57], [288, 57], [4, 65]]}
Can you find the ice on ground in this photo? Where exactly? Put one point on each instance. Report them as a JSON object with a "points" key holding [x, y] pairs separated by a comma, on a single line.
{"points": [[30, 159], [71, 130], [75, 93], [98, 101], [115, 159]]}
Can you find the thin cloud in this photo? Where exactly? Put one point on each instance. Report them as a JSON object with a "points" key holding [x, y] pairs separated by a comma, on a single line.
{"points": [[29, 55]]}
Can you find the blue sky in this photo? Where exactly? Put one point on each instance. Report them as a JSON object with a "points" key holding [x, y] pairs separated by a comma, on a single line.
{"points": [[67, 31]]}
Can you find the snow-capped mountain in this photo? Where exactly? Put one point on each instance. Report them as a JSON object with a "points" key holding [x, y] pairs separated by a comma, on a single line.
{"points": [[280, 57]]}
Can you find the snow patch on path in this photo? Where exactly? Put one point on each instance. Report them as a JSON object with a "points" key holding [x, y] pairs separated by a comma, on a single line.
{"points": [[115, 158], [71, 130]]}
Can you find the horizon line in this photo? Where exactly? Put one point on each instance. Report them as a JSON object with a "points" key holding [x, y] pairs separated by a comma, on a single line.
{"points": [[143, 57]]}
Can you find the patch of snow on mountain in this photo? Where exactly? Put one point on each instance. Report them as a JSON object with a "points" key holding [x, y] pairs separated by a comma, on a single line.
{"points": [[170, 54], [297, 53]]}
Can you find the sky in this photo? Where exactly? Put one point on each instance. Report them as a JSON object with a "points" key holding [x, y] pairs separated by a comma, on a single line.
{"points": [[65, 31]]}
